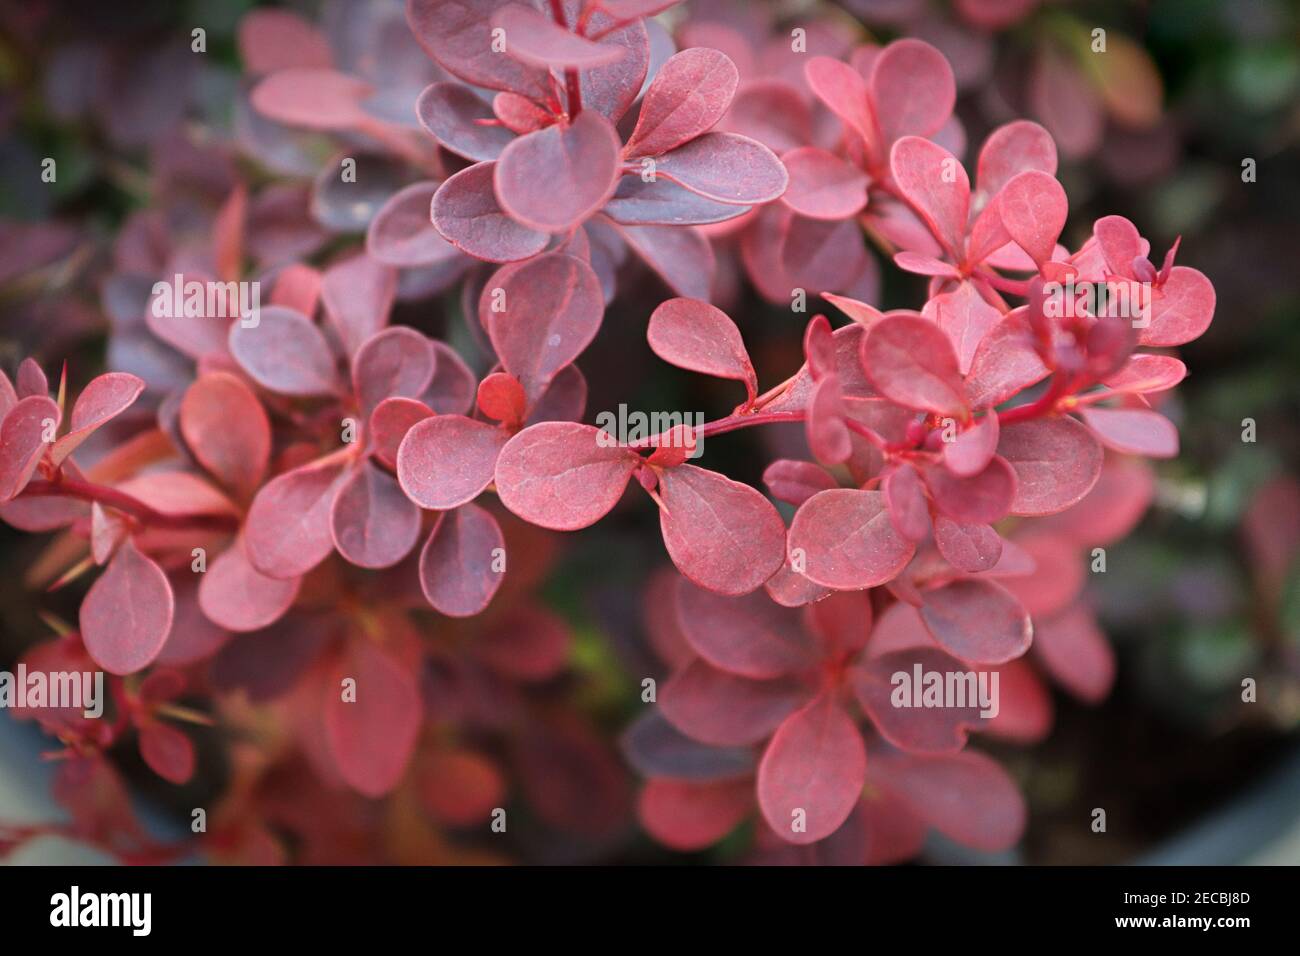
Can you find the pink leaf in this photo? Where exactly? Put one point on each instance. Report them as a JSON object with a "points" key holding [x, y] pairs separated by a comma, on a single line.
{"points": [[402, 235], [721, 534], [372, 737], [549, 310], [911, 361], [909, 510], [844, 91], [1033, 207], [749, 636], [967, 796], [22, 441], [167, 751], [453, 387], [847, 539], [313, 98], [1133, 431], [967, 547], [828, 435], [447, 460], [373, 523], [127, 613], [286, 353], [913, 89], [812, 773], [271, 40], [563, 475], [841, 622], [1012, 149], [462, 121], [395, 363], [465, 210], [684, 815], [972, 450], [389, 423], [724, 710], [458, 34], [31, 380], [795, 482], [935, 184], [1005, 363], [688, 95], [501, 397], [661, 201], [899, 709], [458, 566], [1181, 308], [1057, 461], [1076, 653], [358, 294], [977, 621], [978, 499], [823, 186], [237, 597], [287, 532], [534, 38], [698, 336], [558, 176], [1144, 373], [967, 319], [104, 398], [727, 168], [227, 430]]}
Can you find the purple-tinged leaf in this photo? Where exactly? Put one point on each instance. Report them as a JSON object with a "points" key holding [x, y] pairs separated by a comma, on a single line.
{"points": [[661, 202], [235, 596], [556, 177], [724, 710], [458, 34], [847, 540], [535, 39], [1057, 461], [823, 186], [402, 234], [912, 362], [981, 498], [977, 621], [374, 525], [909, 511], [900, 709], [1133, 431], [462, 121], [286, 353], [459, 567], [466, 212], [1005, 363], [389, 423], [794, 482], [695, 335], [22, 441], [227, 431], [967, 547], [687, 97], [127, 613], [313, 98], [287, 532], [680, 256], [358, 294], [913, 89], [749, 636], [844, 91], [395, 363], [104, 398], [727, 168], [971, 451], [447, 460]]}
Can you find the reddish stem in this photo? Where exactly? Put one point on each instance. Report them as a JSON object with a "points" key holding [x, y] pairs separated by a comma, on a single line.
{"points": [[128, 505]]}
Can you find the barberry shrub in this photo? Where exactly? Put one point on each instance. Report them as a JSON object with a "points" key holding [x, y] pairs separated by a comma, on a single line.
{"points": [[306, 482]]}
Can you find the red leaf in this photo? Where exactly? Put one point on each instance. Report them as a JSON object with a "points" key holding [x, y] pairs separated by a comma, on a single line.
{"points": [[684, 815], [104, 398], [979, 499], [910, 361], [909, 510], [812, 773], [227, 430], [1005, 363], [540, 315], [794, 482], [465, 210], [721, 534], [358, 294], [967, 319], [823, 186], [935, 184], [167, 751], [401, 234], [913, 89], [1076, 653], [847, 539], [828, 435], [22, 441], [724, 710], [271, 40], [453, 387], [32, 380], [1033, 207], [372, 738], [1133, 431], [973, 449], [460, 788], [287, 532], [395, 363], [727, 168], [534, 38], [844, 91], [1181, 308], [315, 98], [458, 566], [749, 636], [1011, 149], [977, 621], [559, 475], [501, 397], [447, 460], [286, 353], [966, 796], [1144, 373], [688, 95], [127, 613], [1057, 461], [374, 525], [236, 596], [528, 644], [458, 34], [389, 423], [698, 336], [462, 121], [893, 695], [967, 547], [841, 622], [556, 177]]}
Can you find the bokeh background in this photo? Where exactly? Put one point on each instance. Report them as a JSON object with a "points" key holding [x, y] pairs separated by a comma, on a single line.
{"points": [[1188, 127]]}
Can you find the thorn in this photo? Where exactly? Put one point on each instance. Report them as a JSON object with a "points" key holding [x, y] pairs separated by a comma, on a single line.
{"points": [[74, 572]]}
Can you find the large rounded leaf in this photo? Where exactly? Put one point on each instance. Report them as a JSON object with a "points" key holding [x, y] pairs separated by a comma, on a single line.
{"points": [[1057, 461], [977, 621], [750, 636], [447, 460], [227, 430], [688, 95], [559, 475], [812, 773], [701, 337], [558, 176], [395, 363], [236, 596], [127, 613], [462, 564], [286, 353], [374, 525], [287, 532], [724, 710], [911, 361], [465, 210], [371, 737], [844, 539]]}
